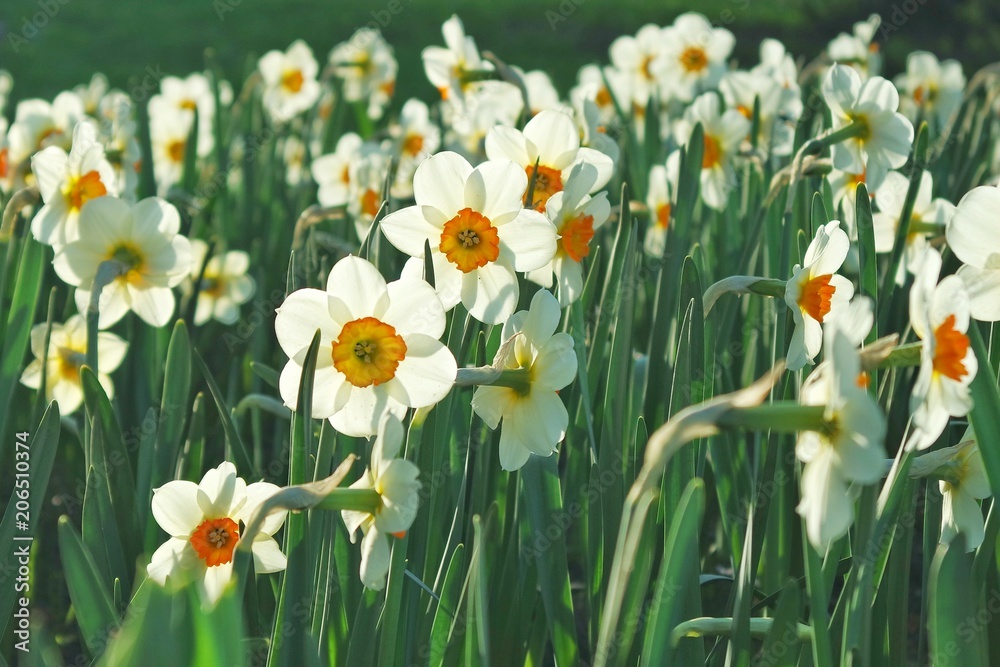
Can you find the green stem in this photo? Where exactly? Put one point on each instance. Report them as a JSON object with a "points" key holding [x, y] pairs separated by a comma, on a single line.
{"points": [[769, 287], [358, 500], [518, 379], [781, 416]]}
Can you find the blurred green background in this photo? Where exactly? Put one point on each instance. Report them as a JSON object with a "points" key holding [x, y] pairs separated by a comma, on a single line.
{"points": [[123, 37]]}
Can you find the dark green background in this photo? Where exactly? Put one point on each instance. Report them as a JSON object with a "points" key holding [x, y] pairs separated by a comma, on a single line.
{"points": [[123, 38]]}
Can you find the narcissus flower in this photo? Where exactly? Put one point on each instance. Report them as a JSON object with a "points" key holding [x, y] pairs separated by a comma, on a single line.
{"points": [[539, 362], [150, 256], [332, 172], [576, 216], [849, 449], [184, 97], [883, 137], [929, 217], [448, 68], [660, 199], [931, 86], [367, 66], [780, 108], [39, 124], [379, 349], [816, 293], [395, 480], [694, 55], [723, 133], [67, 353], [224, 284], [939, 314], [67, 182], [858, 50], [973, 234], [640, 61], [290, 85], [547, 150], [478, 232], [415, 139], [964, 485], [203, 521]]}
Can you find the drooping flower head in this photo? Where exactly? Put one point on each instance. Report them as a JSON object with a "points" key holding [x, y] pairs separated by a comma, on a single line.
{"points": [[543, 361], [939, 314], [816, 293], [848, 450], [973, 234], [396, 482]]}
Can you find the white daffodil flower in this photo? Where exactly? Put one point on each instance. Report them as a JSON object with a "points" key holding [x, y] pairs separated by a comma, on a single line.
{"points": [[547, 150], [332, 172], [926, 211], [184, 97], [694, 55], [290, 85], [478, 231], [67, 182], [367, 66], [379, 349], [415, 139], [962, 489], [534, 417], [39, 124], [66, 355], [884, 136], [224, 284], [640, 60], [932, 86], [939, 314], [845, 197], [849, 450], [723, 133], [974, 236], [151, 258], [816, 293], [779, 109], [660, 199], [858, 49], [395, 480], [203, 521], [447, 67], [367, 176], [576, 215]]}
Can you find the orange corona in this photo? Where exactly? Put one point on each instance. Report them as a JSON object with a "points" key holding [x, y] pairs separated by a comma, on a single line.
{"points": [[469, 241]]}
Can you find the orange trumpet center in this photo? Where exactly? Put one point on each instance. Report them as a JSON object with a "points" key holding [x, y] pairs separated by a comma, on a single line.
{"points": [[575, 236], [816, 296], [214, 540], [469, 241], [548, 181], [85, 188], [950, 348], [368, 352]]}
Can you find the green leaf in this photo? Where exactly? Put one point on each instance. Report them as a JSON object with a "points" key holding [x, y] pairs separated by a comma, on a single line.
{"points": [[985, 415], [17, 334], [543, 500], [235, 447], [446, 611], [42, 445], [953, 641], [675, 596], [94, 609]]}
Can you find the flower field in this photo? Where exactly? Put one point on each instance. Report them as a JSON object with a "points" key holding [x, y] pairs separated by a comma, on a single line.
{"points": [[693, 365]]}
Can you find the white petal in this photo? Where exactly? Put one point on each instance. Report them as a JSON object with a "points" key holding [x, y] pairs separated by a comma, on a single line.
{"points": [[408, 229], [531, 240], [440, 182], [175, 559], [496, 188], [492, 403], [414, 307], [974, 230], [359, 286], [215, 582], [175, 508], [267, 556], [155, 305], [374, 559], [426, 375], [490, 293]]}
